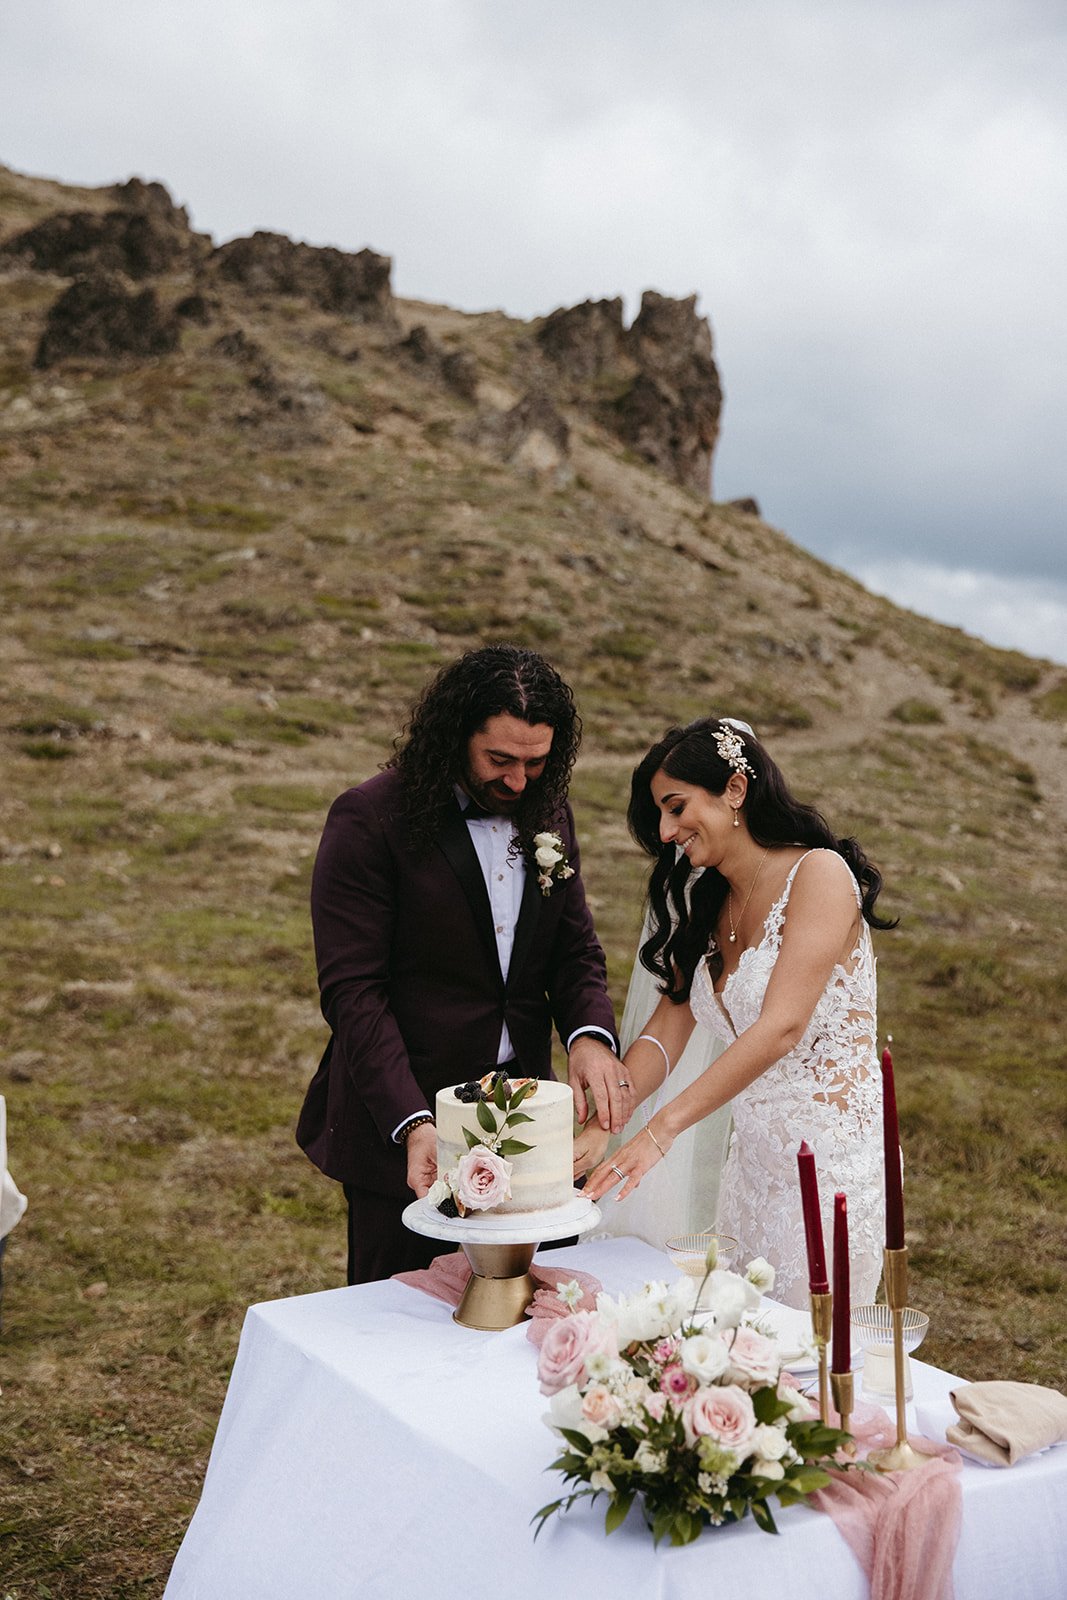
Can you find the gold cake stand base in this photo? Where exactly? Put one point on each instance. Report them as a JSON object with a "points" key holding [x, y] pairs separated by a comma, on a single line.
{"points": [[500, 1286], [500, 1250]]}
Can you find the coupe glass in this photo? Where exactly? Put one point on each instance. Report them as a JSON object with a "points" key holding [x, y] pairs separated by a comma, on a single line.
{"points": [[872, 1328], [689, 1251]]}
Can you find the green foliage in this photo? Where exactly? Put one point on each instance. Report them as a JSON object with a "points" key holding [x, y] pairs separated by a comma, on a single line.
{"points": [[915, 713]]}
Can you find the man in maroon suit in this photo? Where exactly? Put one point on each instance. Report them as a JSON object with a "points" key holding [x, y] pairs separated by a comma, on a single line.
{"points": [[443, 951]]}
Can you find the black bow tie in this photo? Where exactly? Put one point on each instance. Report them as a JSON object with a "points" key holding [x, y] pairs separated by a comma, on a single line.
{"points": [[473, 812]]}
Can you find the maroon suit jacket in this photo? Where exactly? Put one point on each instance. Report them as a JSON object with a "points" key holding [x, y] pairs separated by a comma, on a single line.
{"points": [[410, 980]]}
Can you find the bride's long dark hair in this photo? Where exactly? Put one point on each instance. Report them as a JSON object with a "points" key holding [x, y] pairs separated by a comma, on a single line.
{"points": [[683, 913]]}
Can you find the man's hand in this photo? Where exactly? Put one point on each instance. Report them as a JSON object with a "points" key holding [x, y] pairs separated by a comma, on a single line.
{"points": [[592, 1068], [589, 1147], [421, 1150]]}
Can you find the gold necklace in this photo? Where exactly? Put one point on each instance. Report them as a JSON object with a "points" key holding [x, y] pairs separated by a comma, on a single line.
{"points": [[748, 897]]}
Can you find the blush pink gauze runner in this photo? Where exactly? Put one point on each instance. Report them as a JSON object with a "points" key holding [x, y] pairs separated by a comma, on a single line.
{"points": [[902, 1527], [447, 1276]]}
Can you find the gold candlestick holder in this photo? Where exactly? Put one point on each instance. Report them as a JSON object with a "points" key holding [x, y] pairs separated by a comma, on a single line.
{"points": [[843, 1389], [822, 1306], [898, 1457]]}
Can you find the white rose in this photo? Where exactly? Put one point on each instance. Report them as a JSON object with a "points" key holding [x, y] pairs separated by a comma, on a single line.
{"points": [[704, 1357], [437, 1192], [547, 857], [760, 1274], [769, 1442], [767, 1469]]}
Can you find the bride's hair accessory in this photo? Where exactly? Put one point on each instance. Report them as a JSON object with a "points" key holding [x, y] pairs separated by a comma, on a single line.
{"points": [[731, 746]]}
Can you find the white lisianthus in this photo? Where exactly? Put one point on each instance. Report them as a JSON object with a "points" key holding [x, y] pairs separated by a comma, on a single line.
{"points": [[767, 1469], [600, 1480], [760, 1274], [437, 1192], [704, 1357], [728, 1297], [769, 1442]]}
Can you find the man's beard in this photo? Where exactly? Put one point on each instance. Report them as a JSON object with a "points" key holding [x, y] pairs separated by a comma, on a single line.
{"points": [[497, 798]]}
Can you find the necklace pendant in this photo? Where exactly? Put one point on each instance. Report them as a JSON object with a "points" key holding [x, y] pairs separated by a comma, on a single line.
{"points": [[733, 938]]}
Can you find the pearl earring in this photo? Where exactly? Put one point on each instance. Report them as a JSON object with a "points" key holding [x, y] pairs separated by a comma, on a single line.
{"points": [[737, 817]]}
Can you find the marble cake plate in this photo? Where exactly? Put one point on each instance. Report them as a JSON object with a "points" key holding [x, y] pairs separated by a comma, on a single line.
{"points": [[576, 1216]]}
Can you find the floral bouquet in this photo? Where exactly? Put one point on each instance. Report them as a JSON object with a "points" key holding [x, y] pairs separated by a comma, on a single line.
{"points": [[686, 1407]]}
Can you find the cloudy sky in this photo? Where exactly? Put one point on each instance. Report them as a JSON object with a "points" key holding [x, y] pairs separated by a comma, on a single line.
{"points": [[868, 196]]}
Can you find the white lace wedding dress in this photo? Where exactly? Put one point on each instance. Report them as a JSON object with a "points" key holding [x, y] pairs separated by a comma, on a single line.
{"points": [[827, 1090]]}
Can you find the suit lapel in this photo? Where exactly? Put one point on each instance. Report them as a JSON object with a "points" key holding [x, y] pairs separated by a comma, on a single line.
{"points": [[526, 926], [458, 849]]}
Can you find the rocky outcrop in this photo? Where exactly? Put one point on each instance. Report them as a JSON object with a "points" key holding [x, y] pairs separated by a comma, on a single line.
{"points": [[585, 341], [456, 369], [654, 385], [532, 435], [98, 317], [147, 234], [356, 286]]}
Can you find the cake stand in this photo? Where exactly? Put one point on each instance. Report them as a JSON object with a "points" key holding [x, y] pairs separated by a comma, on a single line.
{"points": [[500, 1250]]}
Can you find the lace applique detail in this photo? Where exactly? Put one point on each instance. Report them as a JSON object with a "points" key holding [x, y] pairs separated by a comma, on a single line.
{"points": [[827, 1090]]}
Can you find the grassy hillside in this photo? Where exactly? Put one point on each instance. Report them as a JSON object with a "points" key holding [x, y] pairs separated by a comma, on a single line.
{"points": [[225, 575]]}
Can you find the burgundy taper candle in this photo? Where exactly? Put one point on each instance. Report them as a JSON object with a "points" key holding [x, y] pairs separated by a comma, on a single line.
{"points": [[841, 1360], [809, 1196], [894, 1193]]}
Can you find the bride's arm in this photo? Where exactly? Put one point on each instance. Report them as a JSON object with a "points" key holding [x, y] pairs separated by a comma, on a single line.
{"points": [[822, 913], [646, 1066]]}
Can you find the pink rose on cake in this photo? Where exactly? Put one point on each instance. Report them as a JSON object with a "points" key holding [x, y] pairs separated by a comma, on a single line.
{"points": [[483, 1179]]}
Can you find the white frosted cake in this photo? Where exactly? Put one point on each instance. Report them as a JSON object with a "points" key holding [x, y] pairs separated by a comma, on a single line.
{"points": [[522, 1162]]}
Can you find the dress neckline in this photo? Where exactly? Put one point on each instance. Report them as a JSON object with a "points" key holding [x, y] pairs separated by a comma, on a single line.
{"points": [[750, 949]]}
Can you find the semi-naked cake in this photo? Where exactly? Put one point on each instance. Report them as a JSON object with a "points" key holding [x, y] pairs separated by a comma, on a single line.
{"points": [[491, 1119]]}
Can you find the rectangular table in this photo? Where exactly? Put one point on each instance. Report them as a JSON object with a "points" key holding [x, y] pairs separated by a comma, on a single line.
{"points": [[369, 1446]]}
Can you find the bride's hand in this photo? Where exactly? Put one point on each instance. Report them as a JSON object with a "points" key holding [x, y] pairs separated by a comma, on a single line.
{"points": [[628, 1165], [590, 1143]]}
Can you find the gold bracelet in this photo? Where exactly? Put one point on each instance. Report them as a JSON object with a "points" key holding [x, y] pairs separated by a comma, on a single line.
{"points": [[656, 1142]]}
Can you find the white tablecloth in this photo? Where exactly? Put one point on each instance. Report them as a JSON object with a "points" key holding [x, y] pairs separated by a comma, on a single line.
{"points": [[369, 1446]]}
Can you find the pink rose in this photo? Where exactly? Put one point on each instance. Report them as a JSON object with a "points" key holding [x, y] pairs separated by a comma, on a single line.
{"points": [[753, 1358], [483, 1179], [568, 1344], [676, 1384], [656, 1405], [725, 1415], [600, 1406], [664, 1350]]}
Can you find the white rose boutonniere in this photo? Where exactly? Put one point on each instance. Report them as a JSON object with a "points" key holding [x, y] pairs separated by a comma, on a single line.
{"points": [[552, 865]]}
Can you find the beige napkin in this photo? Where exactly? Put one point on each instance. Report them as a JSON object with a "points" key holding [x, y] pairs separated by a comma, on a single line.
{"points": [[1001, 1422]]}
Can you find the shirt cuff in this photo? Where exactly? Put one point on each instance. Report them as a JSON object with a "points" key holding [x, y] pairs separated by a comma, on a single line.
{"points": [[592, 1028], [398, 1130]]}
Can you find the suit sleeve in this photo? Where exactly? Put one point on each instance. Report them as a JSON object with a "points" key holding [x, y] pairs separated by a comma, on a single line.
{"points": [[578, 981], [353, 913]]}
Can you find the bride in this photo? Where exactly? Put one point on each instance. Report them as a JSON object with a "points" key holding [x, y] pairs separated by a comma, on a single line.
{"points": [[770, 953]]}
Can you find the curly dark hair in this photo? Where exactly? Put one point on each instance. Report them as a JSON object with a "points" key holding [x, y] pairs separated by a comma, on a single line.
{"points": [[684, 913], [431, 751]]}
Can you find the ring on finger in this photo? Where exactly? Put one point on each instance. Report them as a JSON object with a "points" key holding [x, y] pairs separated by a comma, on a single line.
{"points": [[623, 1084], [617, 1171]]}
